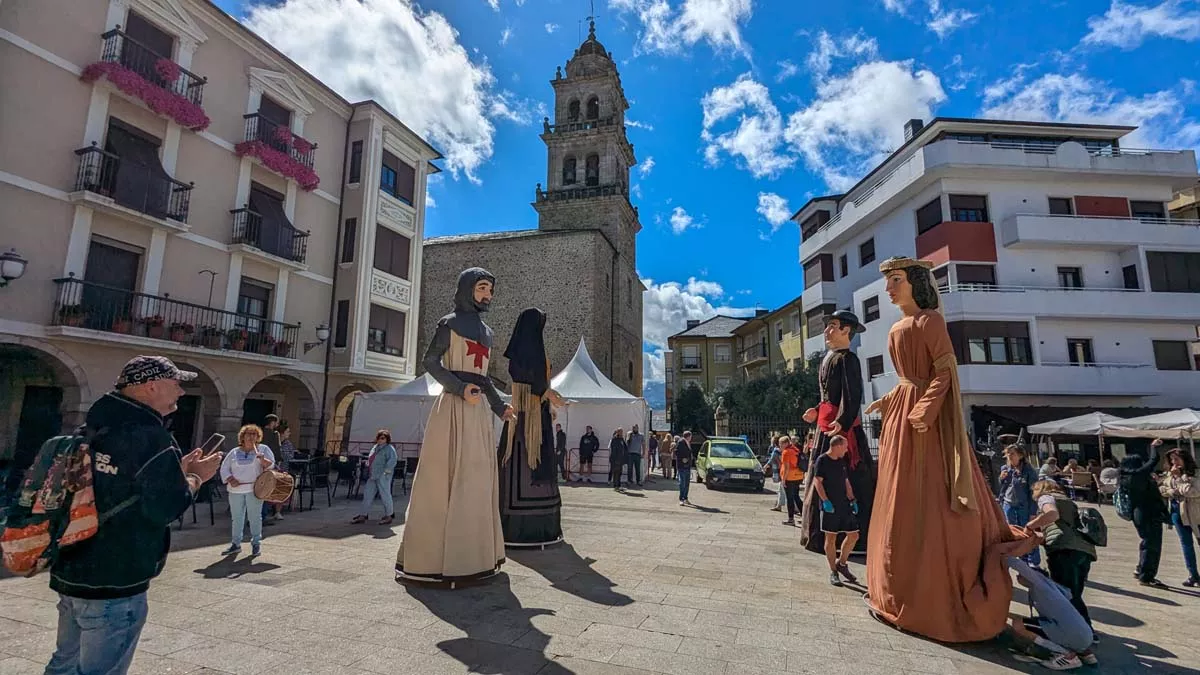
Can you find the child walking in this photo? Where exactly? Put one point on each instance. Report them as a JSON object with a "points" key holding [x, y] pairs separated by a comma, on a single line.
{"points": [[839, 510]]}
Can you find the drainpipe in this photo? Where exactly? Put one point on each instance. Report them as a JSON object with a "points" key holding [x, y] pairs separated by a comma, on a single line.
{"points": [[337, 256]]}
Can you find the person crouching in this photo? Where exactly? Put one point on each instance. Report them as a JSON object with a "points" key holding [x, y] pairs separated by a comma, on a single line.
{"points": [[839, 510]]}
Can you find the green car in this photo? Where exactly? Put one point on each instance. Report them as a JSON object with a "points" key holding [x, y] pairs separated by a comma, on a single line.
{"points": [[728, 462]]}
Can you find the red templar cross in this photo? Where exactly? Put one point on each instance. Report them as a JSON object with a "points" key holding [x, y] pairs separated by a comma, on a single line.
{"points": [[478, 350]]}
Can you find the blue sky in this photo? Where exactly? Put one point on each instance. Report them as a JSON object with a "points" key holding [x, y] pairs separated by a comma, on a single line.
{"points": [[741, 109]]}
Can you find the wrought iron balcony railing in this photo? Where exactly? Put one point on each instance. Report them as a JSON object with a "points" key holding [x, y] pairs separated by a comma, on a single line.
{"points": [[690, 363], [577, 125], [142, 188], [122, 49], [83, 304], [280, 240], [279, 137], [754, 353], [581, 192]]}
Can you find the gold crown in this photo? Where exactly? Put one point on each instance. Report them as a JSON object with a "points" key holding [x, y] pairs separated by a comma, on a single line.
{"points": [[900, 263]]}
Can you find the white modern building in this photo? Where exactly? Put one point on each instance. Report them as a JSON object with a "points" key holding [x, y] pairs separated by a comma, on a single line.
{"points": [[1066, 282]]}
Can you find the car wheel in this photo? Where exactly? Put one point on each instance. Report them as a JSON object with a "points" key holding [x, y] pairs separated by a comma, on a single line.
{"points": [[708, 482], [759, 488], [699, 478]]}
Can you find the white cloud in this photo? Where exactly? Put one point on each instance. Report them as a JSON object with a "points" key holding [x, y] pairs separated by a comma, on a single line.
{"points": [[638, 125], [505, 36], [681, 222], [407, 59], [857, 46], [1126, 25], [1077, 98], [653, 369], [669, 29], [756, 139], [897, 6], [494, 4], [666, 308], [774, 209], [945, 22], [551, 27], [508, 106], [787, 70], [646, 166], [636, 190]]}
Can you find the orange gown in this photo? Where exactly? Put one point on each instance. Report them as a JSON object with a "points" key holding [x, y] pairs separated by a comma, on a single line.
{"points": [[935, 555]]}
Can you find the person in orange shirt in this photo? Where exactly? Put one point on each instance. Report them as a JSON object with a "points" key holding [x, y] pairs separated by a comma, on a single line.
{"points": [[792, 476]]}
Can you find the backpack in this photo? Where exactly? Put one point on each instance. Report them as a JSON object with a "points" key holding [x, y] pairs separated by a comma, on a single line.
{"points": [[55, 506], [1121, 501], [1091, 526]]}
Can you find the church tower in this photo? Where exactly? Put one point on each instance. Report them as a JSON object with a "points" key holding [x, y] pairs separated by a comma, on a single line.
{"points": [[588, 155]]}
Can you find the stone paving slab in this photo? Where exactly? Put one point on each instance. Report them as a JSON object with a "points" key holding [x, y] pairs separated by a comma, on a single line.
{"points": [[642, 586]]}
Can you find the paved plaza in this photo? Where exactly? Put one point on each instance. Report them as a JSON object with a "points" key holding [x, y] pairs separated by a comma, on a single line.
{"points": [[643, 586]]}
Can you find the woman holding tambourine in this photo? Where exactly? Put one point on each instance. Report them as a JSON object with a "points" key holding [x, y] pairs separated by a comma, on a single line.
{"points": [[240, 469]]}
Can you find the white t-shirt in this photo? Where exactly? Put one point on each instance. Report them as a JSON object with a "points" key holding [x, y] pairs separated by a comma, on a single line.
{"points": [[245, 467]]}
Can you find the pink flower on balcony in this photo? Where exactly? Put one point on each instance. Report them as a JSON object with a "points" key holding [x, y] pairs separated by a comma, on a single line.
{"points": [[168, 70], [161, 101], [283, 136], [280, 162], [302, 145]]}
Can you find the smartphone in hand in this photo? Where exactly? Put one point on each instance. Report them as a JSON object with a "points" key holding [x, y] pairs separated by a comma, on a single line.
{"points": [[213, 444]]}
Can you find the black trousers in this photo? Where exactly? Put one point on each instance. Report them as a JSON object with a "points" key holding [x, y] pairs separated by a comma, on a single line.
{"points": [[791, 488], [1149, 525], [1071, 568], [614, 473]]}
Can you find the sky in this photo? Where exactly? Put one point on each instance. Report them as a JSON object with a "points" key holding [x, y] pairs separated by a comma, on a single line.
{"points": [[740, 110]]}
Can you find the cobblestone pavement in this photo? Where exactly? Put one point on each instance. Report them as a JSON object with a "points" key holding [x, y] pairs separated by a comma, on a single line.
{"points": [[643, 586]]}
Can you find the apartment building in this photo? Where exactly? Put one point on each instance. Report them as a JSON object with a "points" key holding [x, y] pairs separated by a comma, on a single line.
{"points": [[702, 355], [179, 187], [771, 342], [1067, 284]]}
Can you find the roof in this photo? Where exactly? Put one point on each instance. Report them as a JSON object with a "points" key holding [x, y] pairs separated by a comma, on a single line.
{"points": [[581, 380], [814, 200], [765, 318], [717, 327]]}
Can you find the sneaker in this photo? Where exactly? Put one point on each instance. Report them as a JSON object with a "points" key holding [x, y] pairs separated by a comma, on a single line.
{"points": [[1062, 662], [1153, 583], [1088, 658], [278, 516], [844, 570], [1192, 583], [231, 550], [683, 502], [256, 550], [776, 508], [834, 580], [790, 522]]}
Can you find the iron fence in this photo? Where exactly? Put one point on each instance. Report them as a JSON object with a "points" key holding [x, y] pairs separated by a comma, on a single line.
{"points": [[153, 67], [137, 186], [280, 240], [279, 137]]}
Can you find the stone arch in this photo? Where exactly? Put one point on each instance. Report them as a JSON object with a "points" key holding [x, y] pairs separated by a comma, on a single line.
{"points": [[342, 414], [573, 110], [296, 402], [592, 170], [44, 392], [569, 172], [194, 421], [593, 108], [60, 359]]}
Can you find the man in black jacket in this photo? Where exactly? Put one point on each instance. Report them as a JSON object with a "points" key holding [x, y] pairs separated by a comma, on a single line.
{"points": [[588, 445], [1149, 511], [102, 582], [560, 449]]}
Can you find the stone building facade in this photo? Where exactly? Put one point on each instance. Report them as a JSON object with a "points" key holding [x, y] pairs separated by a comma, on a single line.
{"points": [[580, 264]]}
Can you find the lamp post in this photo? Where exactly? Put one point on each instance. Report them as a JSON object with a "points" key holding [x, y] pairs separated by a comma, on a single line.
{"points": [[322, 336], [12, 266], [212, 277]]}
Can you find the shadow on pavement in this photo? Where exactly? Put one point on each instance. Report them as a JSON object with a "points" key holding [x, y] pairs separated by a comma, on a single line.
{"points": [[232, 567], [567, 571], [1130, 593]]}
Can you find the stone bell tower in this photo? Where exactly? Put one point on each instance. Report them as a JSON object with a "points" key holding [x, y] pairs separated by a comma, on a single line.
{"points": [[588, 155]]}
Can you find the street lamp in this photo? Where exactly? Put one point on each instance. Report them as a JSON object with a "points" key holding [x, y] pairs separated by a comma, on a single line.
{"points": [[322, 336], [12, 267]]}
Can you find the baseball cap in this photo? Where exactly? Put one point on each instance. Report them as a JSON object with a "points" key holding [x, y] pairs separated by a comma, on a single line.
{"points": [[143, 369]]}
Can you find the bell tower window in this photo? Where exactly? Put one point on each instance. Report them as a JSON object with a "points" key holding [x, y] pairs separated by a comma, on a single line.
{"points": [[569, 171], [573, 111], [592, 175], [593, 108]]}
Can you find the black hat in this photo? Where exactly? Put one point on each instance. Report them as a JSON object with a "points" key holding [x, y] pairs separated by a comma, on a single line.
{"points": [[143, 369], [847, 318]]}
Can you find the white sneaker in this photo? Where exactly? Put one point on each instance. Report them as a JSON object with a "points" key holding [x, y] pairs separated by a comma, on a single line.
{"points": [[1063, 662]]}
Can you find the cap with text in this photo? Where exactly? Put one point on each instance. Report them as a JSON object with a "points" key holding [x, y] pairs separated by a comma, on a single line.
{"points": [[143, 369]]}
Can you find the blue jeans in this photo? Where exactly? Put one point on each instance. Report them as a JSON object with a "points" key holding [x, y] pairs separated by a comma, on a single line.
{"points": [[382, 486], [1019, 514], [685, 482], [97, 637], [634, 462], [243, 505], [1186, 534]]}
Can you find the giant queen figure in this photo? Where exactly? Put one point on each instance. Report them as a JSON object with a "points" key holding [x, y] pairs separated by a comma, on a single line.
{"points": [[938, 541], [452, 532]]}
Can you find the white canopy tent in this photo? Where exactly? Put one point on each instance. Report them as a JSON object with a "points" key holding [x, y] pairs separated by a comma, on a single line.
{"points": [[1090, 424], [595, 401], [403, 411], [1176, 424]]}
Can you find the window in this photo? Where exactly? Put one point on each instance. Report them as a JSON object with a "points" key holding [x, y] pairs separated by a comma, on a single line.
{"points": [[1061, 206], [874, 366], [1173, 272], [569, 171], [592, 171], [114, 266], [1147, 209], [871, 309], [722, 353], [1172, 355], [593, 108], [968, 209], [998, 350], [341, 324], [573, 111], [844, 265], [976, 275], [941, 277], [1130, 275], [275, 112], [254, 300], [631, 370], [145, 46], [722, 383], [349, 237], [991, 342], [795, 322], [397, 178], [818, 269], [1079, 351], [385, 331], [779, 331], [355, 162], [392, 252], [1070, 277], [929, 216], [814, 319], [866, 252]]}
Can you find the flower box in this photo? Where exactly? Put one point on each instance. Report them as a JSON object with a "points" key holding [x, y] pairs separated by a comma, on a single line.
{"points": [[283, 349], [182, 332], [72, 315], [281, 163], [122, 325], [159, 99]]}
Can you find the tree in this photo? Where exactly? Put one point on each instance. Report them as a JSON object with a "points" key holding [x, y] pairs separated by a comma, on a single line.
{"points": [[781, 396], [692, 411]]}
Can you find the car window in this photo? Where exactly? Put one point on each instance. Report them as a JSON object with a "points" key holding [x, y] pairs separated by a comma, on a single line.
{"points": [[732, 451], [704, 449]]}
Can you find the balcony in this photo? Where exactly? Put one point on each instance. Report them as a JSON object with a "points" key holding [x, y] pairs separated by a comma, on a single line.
{"points": [[130, 190], [577, 125], [154, 79], [278, 241], [754, 354], [691, 363], [958, 241], [280, 150], [820, 293], [1041, 230], [81, 307], [1061, 379], [582, 192], [964, 301]]}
